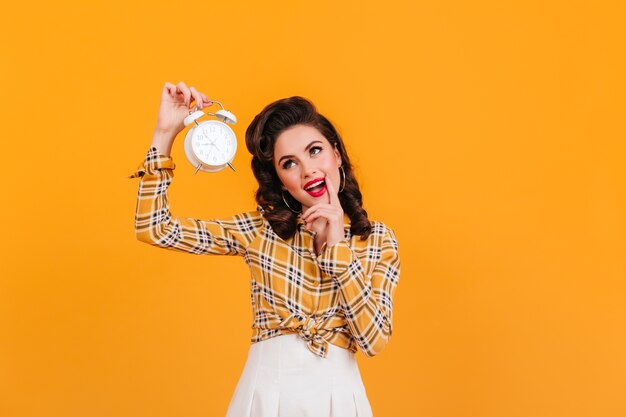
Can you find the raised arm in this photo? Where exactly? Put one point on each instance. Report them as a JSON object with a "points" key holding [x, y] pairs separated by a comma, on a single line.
{"points": [[368, 299], [155, 225]]}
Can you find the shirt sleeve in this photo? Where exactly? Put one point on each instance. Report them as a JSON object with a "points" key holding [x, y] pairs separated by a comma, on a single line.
{"points": [[368, 299], [155, 225]]}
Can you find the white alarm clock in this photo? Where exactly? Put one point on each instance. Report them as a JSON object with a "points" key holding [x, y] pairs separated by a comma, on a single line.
{"points": [[211, 145]]}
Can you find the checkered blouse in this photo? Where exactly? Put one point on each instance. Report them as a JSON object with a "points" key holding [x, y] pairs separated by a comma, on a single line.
{"points": [[344, 296]]}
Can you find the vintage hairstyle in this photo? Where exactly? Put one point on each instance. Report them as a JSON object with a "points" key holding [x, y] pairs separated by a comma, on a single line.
{"points": [[260, 139]]}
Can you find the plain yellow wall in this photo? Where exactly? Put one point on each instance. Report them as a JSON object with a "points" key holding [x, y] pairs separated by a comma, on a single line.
{"points": [[488, 134]]}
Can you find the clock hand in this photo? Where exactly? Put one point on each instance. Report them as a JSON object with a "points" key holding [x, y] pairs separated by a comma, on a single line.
{"points": [[223, 155]]}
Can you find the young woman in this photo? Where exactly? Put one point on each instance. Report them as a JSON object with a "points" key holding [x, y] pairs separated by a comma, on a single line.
{"points": [[323, 276]]}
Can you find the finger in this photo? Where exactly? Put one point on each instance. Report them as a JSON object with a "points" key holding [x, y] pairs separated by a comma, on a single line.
{"points": [[326, 210], [318, 226], [313, 208], [169, 89], [180, 96], [309, 211], [174, 95], [206, 100], [182, 87], [311, 225], [197, 97], [333, 198], [326, 214], [312, 218]]}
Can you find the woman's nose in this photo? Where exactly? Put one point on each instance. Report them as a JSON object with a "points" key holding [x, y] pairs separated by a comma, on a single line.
{"points": [[310, 171]]}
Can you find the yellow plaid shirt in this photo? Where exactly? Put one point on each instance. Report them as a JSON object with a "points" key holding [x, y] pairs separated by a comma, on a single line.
{"points": [[344, 296]]}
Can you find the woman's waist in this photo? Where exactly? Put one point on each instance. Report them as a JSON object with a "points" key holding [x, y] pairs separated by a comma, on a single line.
{"points": [[289, 351], [339, 337]]}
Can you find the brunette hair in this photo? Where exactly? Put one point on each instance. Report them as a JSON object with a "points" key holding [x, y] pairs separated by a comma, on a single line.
{"points": [[260, 140]]}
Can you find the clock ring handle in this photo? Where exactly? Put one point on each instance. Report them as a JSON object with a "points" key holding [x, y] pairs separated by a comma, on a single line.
{"points": [[215, 101], [212, 101]]}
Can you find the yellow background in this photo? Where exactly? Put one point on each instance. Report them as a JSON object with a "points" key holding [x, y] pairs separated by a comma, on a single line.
{"points": [[488, 134]]}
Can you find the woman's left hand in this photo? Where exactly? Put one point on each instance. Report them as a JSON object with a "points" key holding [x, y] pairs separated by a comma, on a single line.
{"points": [[331, 212]]}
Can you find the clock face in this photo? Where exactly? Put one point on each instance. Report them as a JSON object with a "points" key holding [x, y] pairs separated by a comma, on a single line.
{"points": [[213, 142]]}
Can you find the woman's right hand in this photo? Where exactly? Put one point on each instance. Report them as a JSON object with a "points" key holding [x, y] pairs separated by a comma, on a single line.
{"points": [[175, 106]]}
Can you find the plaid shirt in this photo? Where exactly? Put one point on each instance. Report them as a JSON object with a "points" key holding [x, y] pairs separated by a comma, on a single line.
{"points": [[342, 296]]}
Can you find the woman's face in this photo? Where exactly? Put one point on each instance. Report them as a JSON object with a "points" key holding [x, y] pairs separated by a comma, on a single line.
{"points": [[303, 155]]}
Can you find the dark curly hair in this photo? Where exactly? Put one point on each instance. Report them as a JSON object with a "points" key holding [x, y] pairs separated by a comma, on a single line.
{"points": [[260, 140]]}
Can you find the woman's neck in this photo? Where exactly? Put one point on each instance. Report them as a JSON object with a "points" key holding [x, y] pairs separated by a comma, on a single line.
{"points": [[318, 242]]}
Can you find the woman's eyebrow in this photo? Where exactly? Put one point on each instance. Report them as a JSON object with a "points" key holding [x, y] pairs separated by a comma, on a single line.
{"points": [[305, 149]]}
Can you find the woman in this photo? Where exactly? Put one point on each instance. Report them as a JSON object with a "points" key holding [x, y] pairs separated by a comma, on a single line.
{"points": [[323, 276]]}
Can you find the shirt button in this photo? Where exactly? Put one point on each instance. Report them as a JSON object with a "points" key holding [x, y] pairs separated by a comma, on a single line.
{"points": [[316, 283]]}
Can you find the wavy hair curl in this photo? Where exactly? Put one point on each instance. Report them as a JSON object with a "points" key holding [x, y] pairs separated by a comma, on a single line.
{"points": [[261, 137]]}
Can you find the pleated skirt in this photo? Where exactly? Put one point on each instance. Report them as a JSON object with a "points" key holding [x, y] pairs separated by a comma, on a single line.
{"points": [[283, 378]]}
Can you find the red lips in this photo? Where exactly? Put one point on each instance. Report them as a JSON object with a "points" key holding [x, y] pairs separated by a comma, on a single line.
{"points": [[316, 193], [312, 181]]}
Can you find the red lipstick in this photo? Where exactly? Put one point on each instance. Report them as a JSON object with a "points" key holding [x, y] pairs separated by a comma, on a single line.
{"points": [[318, 192]]}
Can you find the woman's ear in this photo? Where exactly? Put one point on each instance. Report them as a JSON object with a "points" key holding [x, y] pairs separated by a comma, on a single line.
{"points": [[337, 156]]}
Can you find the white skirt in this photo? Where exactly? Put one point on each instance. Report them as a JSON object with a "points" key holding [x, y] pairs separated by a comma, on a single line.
{"points": [[283, 378]]}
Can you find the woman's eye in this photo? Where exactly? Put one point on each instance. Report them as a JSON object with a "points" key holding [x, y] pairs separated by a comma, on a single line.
{"points": [[313, 151]]}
